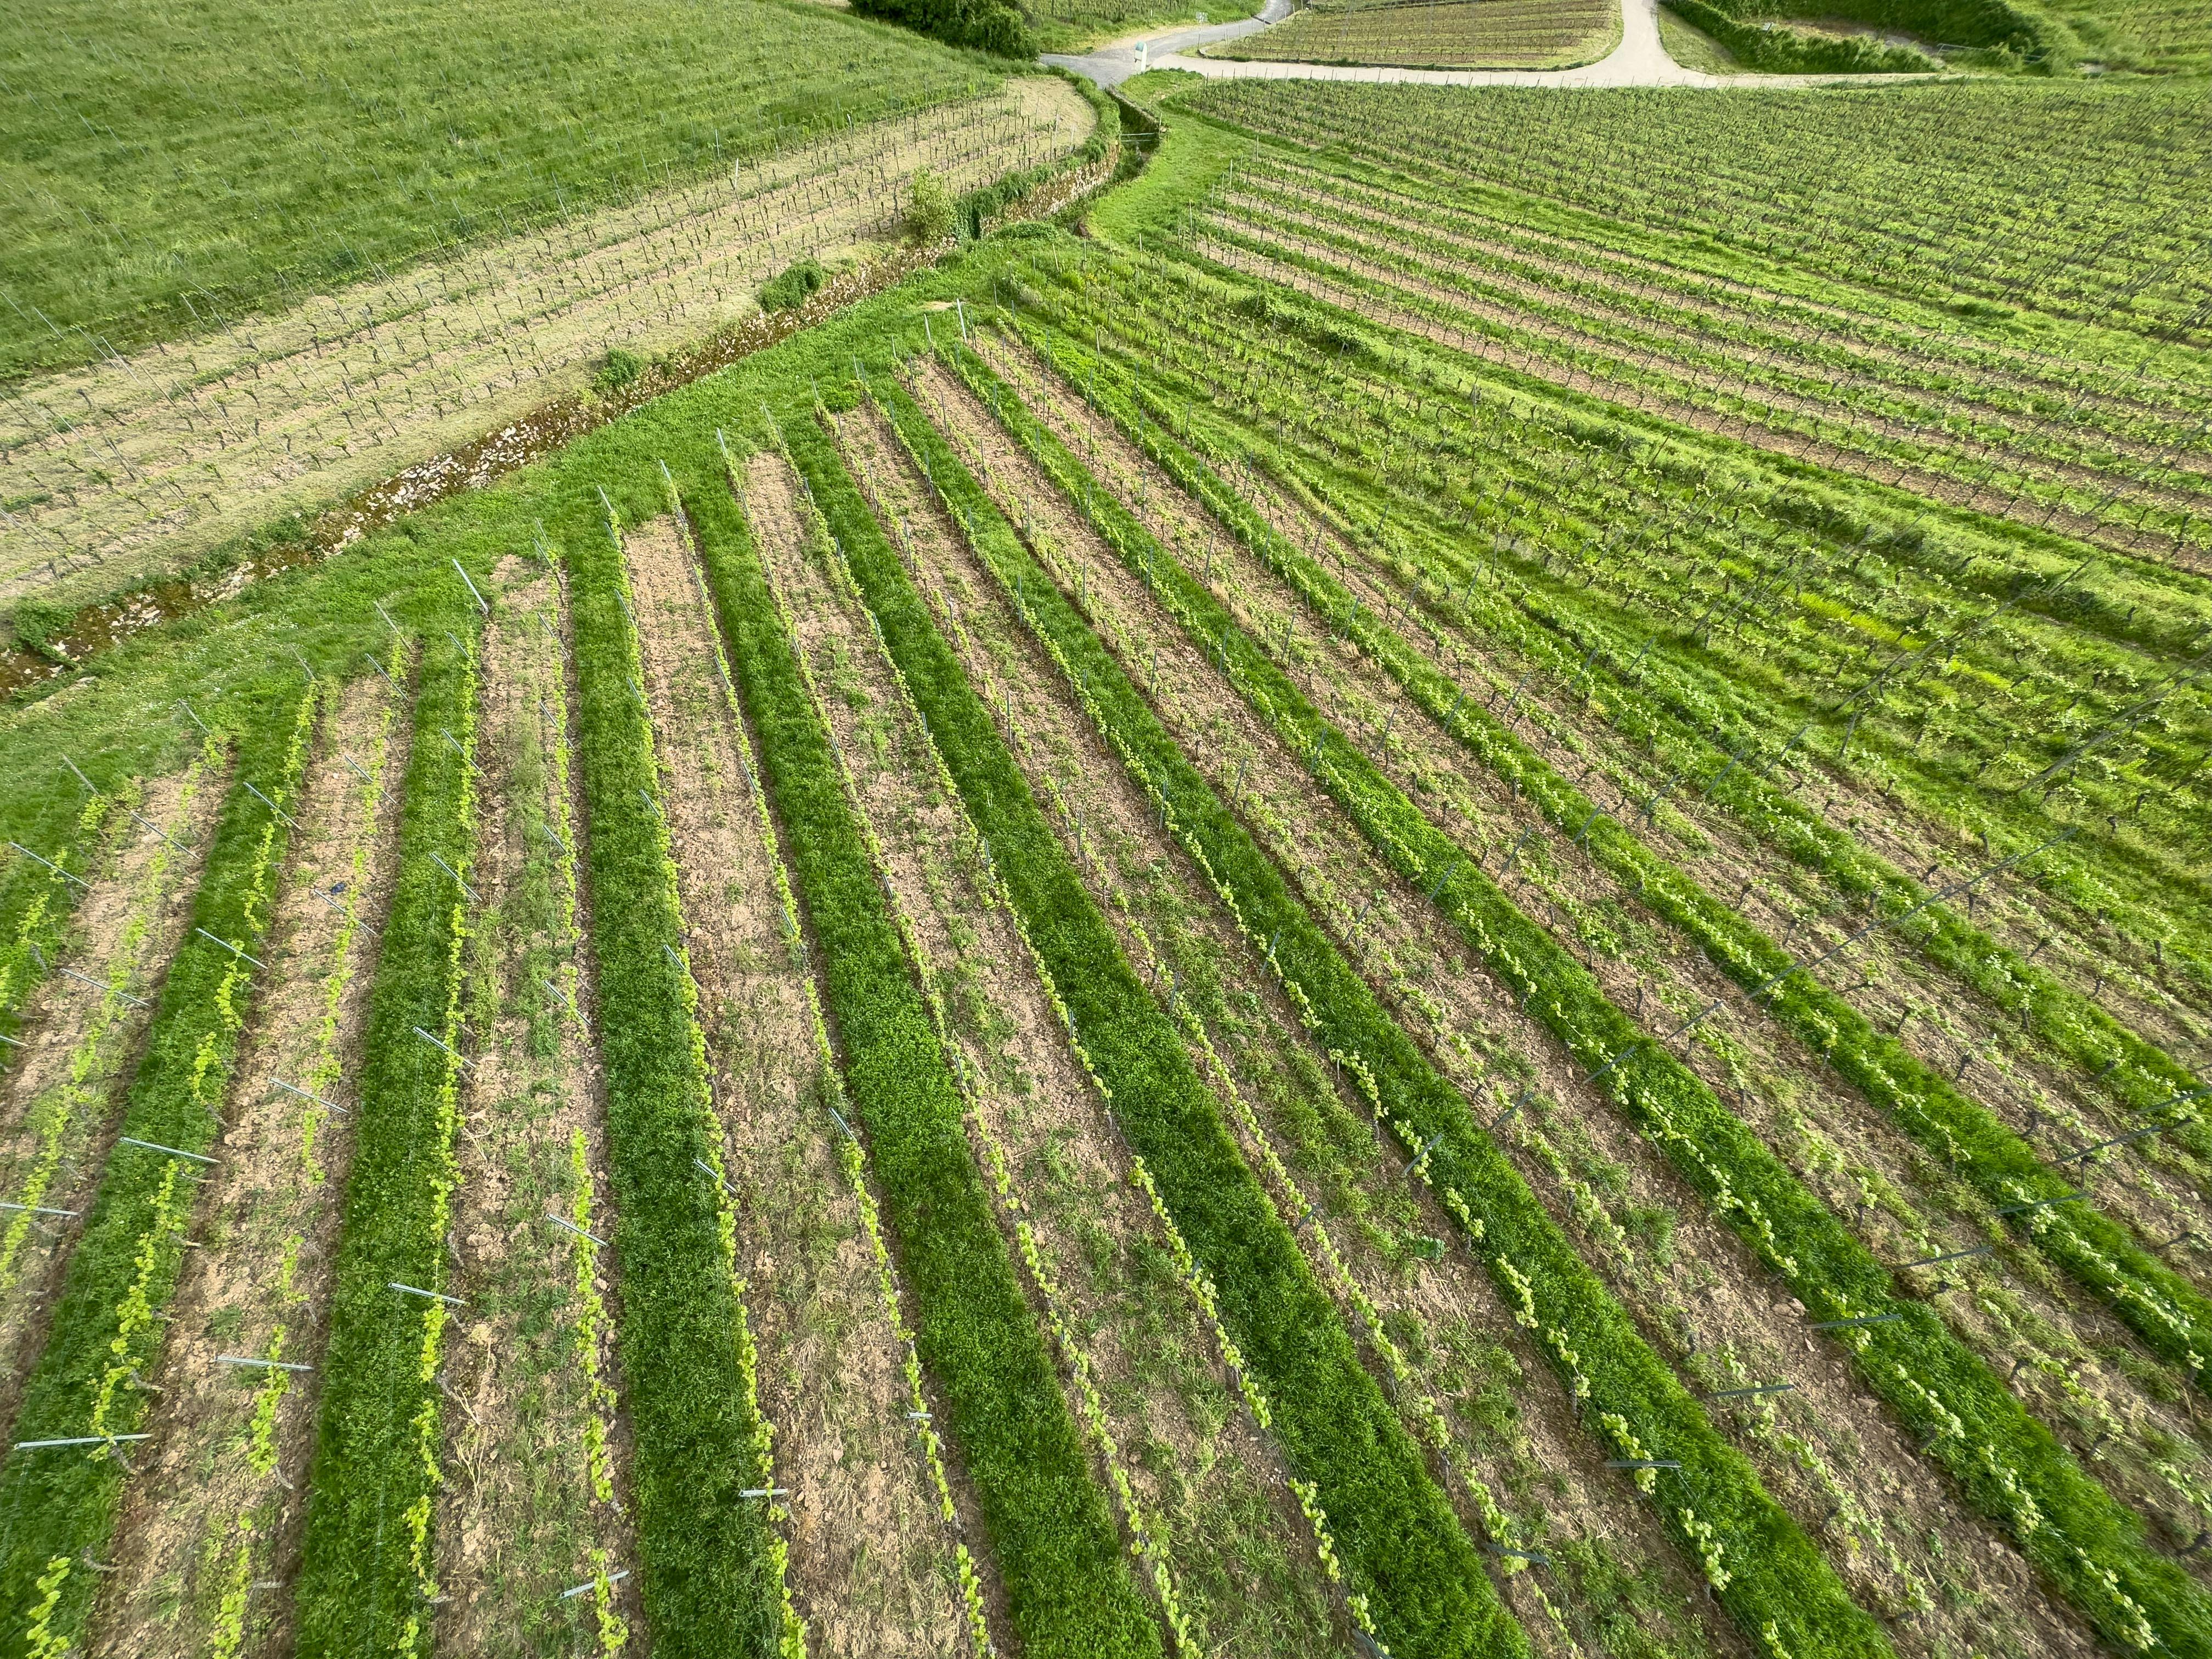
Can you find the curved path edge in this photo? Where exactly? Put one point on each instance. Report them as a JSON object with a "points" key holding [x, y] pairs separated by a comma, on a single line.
{"points": [[1639, 60]]}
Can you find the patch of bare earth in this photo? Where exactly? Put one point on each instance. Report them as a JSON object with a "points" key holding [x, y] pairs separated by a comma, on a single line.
{"points": [[1517, 1436], [1907, 1545], [209, 1528], [871, 1565], [83, 1028], [529, 1497], [1244, 1563], [2123, 1411]]}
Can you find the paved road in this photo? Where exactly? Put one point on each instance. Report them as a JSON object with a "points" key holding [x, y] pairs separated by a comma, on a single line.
{"points": [[1638, 61], [1111, 64]]}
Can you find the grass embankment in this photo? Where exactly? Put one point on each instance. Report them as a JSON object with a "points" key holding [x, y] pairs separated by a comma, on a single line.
{"points": [[164, 170], [1068, 1588]]}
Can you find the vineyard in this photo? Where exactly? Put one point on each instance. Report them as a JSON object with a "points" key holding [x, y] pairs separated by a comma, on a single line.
{"points": [[1428, 881], [1439, 33]]}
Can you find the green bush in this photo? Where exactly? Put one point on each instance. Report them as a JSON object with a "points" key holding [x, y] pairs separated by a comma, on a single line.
{"points": [[617, 370], [990, 26], [794, 287], [931, 213]]}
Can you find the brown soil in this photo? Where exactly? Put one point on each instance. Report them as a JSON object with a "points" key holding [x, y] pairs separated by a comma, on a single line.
{"points": [[517, 1515], [266, 1232], [66, 1087], [1526, 1447], [869, 1565], [1244, 1563], [1754, 435], [1700, 1297]]}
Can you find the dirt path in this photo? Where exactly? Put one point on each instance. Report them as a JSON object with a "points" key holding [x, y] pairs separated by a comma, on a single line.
{"points": [[1235, 1547], [1511, 1427], [2084, 1373], [535, 1501], [210, 1532], [1639, 60], [81, 1029], [871, 1563], [1905, 1544]]}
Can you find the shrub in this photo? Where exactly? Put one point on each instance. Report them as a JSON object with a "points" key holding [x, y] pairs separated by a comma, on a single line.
{"points": [[930, 215], [617, 370], [797, 284]]}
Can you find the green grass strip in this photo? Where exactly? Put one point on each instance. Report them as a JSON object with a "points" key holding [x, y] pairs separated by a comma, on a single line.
{"points": [[1773, 1579], [2092, 1548], [365, 1581], [1069, 1591], [2159, 1305], [58, 1504], [1402, 1547], [712, 1564]]}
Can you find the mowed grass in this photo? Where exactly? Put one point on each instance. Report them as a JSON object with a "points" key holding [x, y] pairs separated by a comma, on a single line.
{"points": [[165, 164]]}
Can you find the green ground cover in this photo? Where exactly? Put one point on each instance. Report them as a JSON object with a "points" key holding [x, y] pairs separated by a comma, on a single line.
{"points": [[164, 166]]}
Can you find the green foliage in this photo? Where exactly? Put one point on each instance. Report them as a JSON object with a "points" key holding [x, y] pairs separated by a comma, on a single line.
{"points": [[616, 370], [793, 285], [35, 623], [930, 216], [377, 1436], [2008, 1462], [107, 1328], [1402, 1546], [158, 161], [991, 25], [1068, 1588]]}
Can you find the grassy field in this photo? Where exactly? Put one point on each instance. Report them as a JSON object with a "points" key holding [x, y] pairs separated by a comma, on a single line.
{"points": [[166, 167], [1074, 25], [145, 463], [1446, 898], [1452, 35]]}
